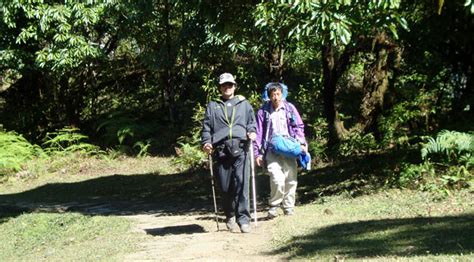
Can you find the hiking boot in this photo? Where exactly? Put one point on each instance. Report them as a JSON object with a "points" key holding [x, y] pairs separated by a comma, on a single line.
{"points": [[289, 212], [232, 225], [273, 212], [245, 228]]}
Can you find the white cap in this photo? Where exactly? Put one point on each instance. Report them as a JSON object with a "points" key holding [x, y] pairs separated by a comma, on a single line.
{"points": [[226, 78]]}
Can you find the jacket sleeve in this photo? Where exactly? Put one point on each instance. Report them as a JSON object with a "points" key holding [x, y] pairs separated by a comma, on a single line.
{"points": [[207, 129], [260, 132], [250, 119], [299, 128]]}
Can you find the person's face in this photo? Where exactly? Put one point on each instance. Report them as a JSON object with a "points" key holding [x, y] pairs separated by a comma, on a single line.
{"points": [[275, 97], [227, 90]]}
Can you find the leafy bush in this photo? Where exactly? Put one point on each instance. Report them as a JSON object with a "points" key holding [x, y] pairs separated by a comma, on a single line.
{"points": [[125, 133], [318, 140], [189, 152], [409, 115], [356, 143], [15, 150], [190, 156], [447, 164], [68, 140], [449, 146], [414, 175]]}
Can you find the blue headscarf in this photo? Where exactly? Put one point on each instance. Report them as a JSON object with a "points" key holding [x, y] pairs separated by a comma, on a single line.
{"points": [[284, 90]]}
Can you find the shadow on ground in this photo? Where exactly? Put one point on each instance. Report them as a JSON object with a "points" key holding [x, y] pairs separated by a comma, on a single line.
{"points": [[354, 175], [176, 230], [170, 194], [116, 194], [387, 237], [183, 193]]}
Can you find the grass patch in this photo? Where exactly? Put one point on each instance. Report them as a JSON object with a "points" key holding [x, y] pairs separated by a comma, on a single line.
{"points": [[78, 168], [404, 225], [66, 236], [364, 221], [69, 230]]}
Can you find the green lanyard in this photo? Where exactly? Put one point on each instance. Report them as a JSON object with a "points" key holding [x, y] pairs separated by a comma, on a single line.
{"points": [[231, 122]]}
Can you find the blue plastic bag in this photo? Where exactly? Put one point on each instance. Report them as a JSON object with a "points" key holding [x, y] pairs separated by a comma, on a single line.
{"points": [[304, 161], [286, 146]]}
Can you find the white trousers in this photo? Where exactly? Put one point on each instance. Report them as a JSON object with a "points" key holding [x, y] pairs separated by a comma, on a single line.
{"points": [[283, 181]]}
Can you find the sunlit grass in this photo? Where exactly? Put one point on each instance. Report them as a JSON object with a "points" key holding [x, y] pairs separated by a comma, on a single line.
{"points": [[65, 237], [404, 225], [75, 168]]}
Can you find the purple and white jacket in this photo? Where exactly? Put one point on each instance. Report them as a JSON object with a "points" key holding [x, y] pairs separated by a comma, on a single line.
{"points": [[294, 123]]}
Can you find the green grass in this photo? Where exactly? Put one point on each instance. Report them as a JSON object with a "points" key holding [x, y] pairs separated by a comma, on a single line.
{"points": [[65, 237], [67, 232], [401, 225], [343, 212]]}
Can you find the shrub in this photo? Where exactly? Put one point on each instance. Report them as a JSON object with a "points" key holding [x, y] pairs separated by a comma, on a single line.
{"points": [[414, 175], [125, 133], [449, 147], [356, 143], [15, 150], [189, 151], [68, 140], [190, 156], [317, 143], [447, 163], [397, 126]]}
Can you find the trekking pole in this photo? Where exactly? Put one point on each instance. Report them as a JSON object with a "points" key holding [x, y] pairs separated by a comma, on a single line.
{"points": [[254, 193], [213, 190]]}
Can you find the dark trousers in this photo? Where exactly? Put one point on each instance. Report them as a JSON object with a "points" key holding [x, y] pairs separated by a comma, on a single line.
{"points": [[233, 179]]}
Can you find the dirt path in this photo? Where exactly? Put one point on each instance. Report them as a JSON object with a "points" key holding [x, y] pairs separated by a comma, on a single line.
{"points": [[184, 231], [177, 236], [195, 237]]}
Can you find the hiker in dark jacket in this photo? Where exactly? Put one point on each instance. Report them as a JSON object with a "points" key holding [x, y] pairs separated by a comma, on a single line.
{"points": [[228, 125]]}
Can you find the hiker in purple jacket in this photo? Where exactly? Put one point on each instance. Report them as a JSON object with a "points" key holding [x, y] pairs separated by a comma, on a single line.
{"points": [[278, 117]]}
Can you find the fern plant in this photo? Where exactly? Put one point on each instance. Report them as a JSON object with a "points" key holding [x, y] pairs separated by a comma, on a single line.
{"points": [[447, 162], [189, 151], [450, 146], [126, 133], [68, 140], [15, 150]]}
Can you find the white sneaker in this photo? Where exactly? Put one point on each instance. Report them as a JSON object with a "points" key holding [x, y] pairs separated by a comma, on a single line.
{"points": [[289, 212], [272, 212], [245, 228], [232, 225]]}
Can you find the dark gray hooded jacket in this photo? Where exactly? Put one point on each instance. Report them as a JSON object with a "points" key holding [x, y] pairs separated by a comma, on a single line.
{"points": [[223, 120]]}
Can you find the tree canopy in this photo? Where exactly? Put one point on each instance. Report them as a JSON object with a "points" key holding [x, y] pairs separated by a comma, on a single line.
{"points": [[124, 71]]}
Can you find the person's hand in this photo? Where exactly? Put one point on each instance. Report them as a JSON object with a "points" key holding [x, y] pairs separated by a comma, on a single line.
{"points": [[207, 148], [252, 136], [259, 160], [304, 148]]}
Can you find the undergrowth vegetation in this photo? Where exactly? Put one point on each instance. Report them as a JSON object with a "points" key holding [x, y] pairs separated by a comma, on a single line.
{"points": [[189, 151], [68, 140], [59, 149], [15, 150], [447, 163]]}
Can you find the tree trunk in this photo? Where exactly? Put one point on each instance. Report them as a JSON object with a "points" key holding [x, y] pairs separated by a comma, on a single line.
{"points": [[333, 67], [375, 85], [71, 97], [169, 70], [276, 60]]}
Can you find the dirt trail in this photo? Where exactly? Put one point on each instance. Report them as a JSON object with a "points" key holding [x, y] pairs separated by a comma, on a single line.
{"points": [[195, 237], [179, 236]]}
